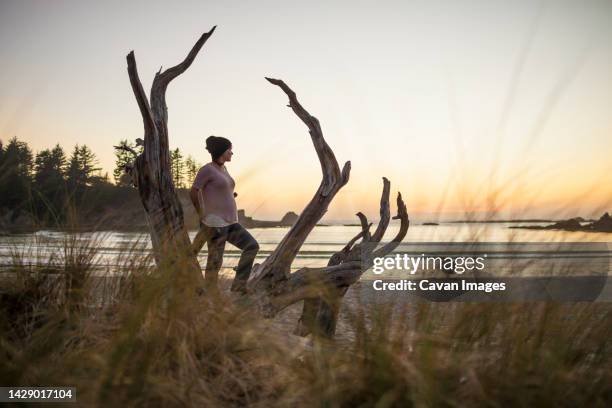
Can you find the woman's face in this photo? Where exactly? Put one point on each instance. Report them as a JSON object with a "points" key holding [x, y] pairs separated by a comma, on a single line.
{"points": [[227, 155]]}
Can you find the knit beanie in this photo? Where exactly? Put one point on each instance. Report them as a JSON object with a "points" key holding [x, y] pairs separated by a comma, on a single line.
{"points": [[217, 145]]}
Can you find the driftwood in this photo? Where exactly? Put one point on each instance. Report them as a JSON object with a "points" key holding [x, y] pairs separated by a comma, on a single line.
{"points": [[151, 172], [271, 283]]}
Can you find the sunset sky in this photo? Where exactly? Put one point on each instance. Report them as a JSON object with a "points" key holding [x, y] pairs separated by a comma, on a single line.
{"points": [[464, 105]]}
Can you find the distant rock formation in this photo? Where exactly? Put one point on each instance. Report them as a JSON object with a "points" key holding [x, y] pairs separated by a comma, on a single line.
{"points": [[289, 219], [572, 224], [604, 224], [248, 222]]}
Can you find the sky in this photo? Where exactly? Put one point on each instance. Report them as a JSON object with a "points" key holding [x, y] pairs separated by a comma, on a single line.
{"points": [[484, 108]]}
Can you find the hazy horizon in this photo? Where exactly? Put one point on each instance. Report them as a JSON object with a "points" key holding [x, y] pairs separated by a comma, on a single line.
{"points": [[472, 106]]}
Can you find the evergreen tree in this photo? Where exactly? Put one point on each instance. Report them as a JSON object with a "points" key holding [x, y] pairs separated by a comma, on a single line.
{"points": [[49, 168], [49, 185], [15, 174], [91, 173], [123, 157], [191, 169], [73, 171], [82, 170], [177, 168]]}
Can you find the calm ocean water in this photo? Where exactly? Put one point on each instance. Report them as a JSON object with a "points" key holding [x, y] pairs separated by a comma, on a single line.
{"points": [[576, 251]]}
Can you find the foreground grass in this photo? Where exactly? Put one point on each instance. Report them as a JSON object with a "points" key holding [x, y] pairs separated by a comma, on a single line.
{"points": [[126, 342]]}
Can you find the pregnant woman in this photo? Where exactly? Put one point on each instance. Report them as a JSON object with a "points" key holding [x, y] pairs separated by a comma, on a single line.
{"points": [[213, 195]]}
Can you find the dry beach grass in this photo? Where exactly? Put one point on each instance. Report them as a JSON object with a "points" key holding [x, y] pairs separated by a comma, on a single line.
{"points": [[141, 346]]}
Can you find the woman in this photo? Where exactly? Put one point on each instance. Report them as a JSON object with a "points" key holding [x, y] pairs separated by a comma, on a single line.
{"points": [[213, 195]]}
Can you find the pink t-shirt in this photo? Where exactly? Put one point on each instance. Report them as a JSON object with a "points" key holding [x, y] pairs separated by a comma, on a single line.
{"points": [[216, 195]]}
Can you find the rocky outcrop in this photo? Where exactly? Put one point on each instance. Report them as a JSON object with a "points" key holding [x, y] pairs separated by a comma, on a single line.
{"points": [[289, 219], [604, 224], [248, 222], [573, 224]]}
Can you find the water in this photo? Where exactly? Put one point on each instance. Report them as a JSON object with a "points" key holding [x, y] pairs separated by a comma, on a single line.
{"points": [[115, 248]]}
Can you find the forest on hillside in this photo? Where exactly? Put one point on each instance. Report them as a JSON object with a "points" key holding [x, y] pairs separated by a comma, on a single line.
{"points": [[55, 189]]}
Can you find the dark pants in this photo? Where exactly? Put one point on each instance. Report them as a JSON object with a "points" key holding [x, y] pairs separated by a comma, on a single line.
{"points": [[215, 238]]}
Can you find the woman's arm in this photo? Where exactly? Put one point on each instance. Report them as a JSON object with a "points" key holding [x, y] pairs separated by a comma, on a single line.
{"points": [[193, 194], [201, 179]]}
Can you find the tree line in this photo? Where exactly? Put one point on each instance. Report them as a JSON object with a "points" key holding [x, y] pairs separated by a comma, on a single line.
{"points": [[46, 184], [184, 169]]}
